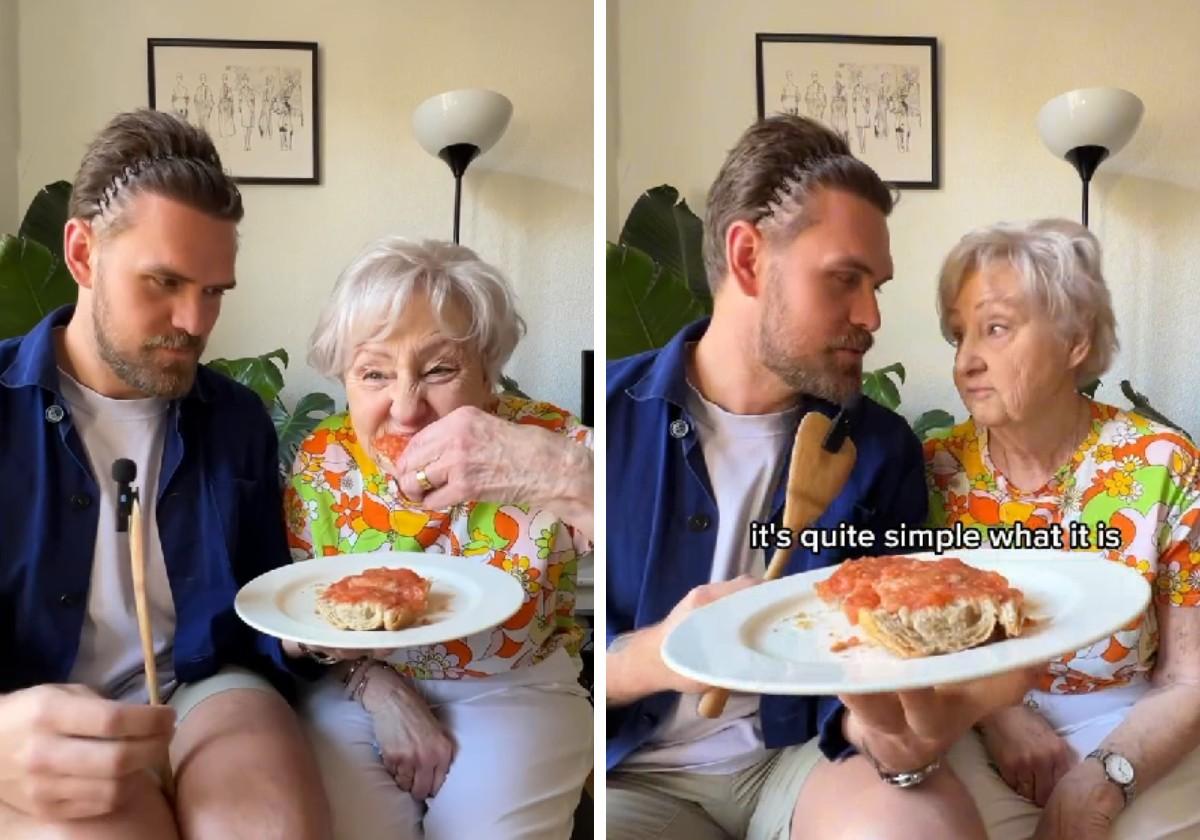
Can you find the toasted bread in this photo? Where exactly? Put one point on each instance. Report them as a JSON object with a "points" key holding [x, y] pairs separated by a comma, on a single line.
{"points": [[922, 608], [376, 599]]}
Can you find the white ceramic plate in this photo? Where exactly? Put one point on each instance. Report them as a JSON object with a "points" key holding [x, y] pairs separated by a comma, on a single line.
{"points": [[776, 638], [466, 596]]}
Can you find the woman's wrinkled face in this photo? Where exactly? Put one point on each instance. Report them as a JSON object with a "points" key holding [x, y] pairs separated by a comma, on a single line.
{"points": [[1009, 362], [419, 373]]}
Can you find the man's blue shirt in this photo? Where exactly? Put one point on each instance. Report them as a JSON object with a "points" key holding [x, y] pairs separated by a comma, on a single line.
{"points": [[219, 513], [662, 525]]}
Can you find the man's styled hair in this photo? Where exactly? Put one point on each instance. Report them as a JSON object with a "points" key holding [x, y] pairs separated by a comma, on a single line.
{"points": [[769, 176], [150, 151]]}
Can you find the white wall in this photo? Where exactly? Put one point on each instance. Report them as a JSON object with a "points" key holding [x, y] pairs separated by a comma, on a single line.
{"points": [[9, 214], [527, 204], [686, 84]]}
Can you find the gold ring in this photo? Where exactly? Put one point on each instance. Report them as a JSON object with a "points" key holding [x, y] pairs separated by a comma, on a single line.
{"points": [[423, 480]]}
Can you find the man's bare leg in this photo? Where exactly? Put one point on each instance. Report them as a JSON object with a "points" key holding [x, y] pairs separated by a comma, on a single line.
{"points": [[847, 800], [146, 814], [243, 771]]}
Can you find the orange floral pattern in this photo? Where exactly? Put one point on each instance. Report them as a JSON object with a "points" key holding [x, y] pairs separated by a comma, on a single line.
{"points": [[339, 502], [1130, 474]]}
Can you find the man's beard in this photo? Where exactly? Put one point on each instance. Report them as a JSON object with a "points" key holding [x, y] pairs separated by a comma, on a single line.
{"points": [[142, 370], [820, 374]]}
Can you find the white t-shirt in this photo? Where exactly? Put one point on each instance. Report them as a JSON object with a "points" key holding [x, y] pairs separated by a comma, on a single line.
{"points": [[745, 456], [110, 648]]}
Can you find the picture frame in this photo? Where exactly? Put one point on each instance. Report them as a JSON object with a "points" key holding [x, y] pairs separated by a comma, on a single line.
{"points": [[879, 93], [258, 100]]}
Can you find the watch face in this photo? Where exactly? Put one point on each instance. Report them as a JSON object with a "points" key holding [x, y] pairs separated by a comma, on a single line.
{"points": [[1119, 769]]}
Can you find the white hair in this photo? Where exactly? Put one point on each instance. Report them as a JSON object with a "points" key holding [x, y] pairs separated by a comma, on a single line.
{"points": [[1058, 262], [370, 297]]}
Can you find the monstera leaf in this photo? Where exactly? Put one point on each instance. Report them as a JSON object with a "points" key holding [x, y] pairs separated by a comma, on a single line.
{"points": [[878, 385], [662, 226], [647, 302], [261, 374], [292, 427], [33, 282]]}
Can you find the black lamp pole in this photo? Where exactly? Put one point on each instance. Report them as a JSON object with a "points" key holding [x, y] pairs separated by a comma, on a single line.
{"points": [[458, 157], [1086, 159]]}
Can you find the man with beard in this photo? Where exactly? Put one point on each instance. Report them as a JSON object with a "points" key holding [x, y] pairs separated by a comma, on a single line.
{"points": [[699, 437], [151, 242]]}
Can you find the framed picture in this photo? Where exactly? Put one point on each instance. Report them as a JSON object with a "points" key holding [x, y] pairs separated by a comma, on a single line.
{"points": [[880, 94], [256, 99]]}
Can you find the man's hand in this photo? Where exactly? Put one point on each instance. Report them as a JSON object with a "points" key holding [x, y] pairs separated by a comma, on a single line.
{"points": [[637, 668], [907, 730], [67, 753], [472, 455], [1029, 754]]}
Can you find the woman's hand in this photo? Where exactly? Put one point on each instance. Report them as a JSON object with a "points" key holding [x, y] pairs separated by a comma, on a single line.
{"points": [[1083, 806], [413, 745], [473, 455], [1029, 755]]}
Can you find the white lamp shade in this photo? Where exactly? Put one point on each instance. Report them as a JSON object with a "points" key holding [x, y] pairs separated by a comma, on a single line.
{"points": [[473, 116], [1100, 116]]}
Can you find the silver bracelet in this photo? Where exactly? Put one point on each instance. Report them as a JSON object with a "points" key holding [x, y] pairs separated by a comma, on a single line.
{"points": [[906, 778]]}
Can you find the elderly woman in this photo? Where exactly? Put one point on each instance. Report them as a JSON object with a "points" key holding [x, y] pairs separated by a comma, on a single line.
{"points": [[489, 735], [1106, 745]]}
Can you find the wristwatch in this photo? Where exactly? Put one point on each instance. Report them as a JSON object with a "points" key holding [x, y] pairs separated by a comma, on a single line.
{"points": [[1117, 768], [906, 779]]}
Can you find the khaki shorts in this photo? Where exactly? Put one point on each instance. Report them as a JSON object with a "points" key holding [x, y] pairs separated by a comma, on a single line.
{"points": [[189, 695], [755, 803]]}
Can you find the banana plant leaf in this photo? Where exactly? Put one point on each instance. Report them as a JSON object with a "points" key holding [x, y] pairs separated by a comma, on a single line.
{"points": [[46, 217], [292, 427], [261, 374], [647, 302], [662, 226], [32, 284]]}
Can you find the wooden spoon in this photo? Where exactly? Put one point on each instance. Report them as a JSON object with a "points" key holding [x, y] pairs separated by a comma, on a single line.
{"points": [[137, 557], [822, 458]]}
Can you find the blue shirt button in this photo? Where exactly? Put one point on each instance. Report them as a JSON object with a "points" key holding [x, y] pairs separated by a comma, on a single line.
{"points": [[55, 413], [679, 428]]}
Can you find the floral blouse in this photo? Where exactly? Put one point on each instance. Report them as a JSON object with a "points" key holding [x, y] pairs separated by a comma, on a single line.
{"points": [[1129, 473], [339, 502]]}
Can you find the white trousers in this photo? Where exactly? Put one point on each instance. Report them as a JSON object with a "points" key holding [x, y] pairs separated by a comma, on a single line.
{"points": [[524, 752]]}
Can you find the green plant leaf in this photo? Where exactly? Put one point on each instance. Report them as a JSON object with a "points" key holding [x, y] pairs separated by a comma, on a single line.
{"points": [[1142, 406], [292, 427], [260, 374], [32, 284], [510, 386], [894, 369], [662, 226], [931, 421], [647, 302], [47, 216]]}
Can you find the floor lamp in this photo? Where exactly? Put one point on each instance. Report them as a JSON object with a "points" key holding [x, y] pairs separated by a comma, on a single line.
{"points": [[459, 126], [1088, 125]]}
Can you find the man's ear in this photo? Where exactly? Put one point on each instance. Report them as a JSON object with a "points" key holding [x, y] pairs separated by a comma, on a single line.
{"points": [[79, 246], [745, 250]]}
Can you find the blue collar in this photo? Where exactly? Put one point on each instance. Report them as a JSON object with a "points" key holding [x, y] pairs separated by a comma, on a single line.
{"points": [[36, 364], [667, 376]]}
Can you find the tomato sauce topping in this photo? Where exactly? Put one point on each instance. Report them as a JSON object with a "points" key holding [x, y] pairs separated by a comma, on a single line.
{"points": [[893, 583], [391, 446], [392, 588]]}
